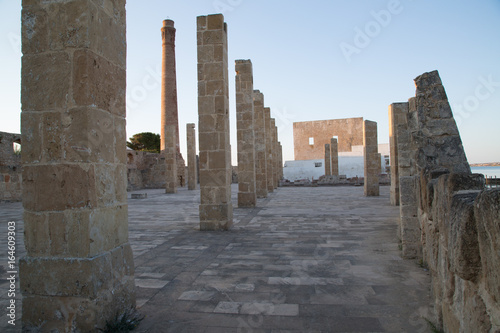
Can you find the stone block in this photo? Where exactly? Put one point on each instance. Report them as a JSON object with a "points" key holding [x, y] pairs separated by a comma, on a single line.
{"points": [[89, 290], [35, 37], [31, 128], [46, 84], [215, 217], [58, 187], [487, 214], [98, 83], [463, 246], [36, 233], [87, 134]]}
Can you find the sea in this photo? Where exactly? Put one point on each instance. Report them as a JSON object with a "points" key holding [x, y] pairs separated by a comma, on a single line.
{"points": [[487, 171]]}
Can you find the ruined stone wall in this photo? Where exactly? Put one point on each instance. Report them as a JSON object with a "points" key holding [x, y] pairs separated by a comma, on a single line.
{"points": [[148, 170], [456, 218], [349, 132], [10, 168]]}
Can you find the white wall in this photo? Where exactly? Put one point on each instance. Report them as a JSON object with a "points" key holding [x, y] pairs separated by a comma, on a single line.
{"points": [[351, 164], [306, 169]]}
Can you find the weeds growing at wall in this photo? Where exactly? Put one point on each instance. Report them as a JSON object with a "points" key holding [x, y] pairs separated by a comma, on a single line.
{"points": [[126, 322]]}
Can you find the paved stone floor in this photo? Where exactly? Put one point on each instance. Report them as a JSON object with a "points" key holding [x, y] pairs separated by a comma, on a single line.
{"points": [[322, 259]]}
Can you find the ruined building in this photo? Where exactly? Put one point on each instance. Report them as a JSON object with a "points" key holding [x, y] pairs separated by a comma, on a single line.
{"points": [[345, 139]]}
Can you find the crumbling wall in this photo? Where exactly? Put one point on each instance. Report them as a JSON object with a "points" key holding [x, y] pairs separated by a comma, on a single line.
{"points": [[148, 170], [10, 168], [457, 220]]}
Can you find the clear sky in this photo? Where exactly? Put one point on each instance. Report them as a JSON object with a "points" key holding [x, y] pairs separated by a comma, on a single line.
{"points": [[313, 60]]}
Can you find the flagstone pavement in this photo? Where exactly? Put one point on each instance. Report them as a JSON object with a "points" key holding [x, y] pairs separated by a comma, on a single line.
{"points": [[306, 259]]}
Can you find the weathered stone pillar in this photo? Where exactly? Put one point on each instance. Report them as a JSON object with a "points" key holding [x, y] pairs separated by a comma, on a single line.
{"points": [[334, 156], [274, 151], [371, 158], [78, 271], [269, 150], [191, 156], [169, 116], [246, 141], [260, 145], [280, 161], [397, 115], [216, 210], [408, 229], [328, 160], [277, 163]]}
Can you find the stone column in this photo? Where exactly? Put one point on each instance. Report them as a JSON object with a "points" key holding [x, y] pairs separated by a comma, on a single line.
{"points": [[276, 158], [169, 116], [328, 160], [269, 150], [216, 210], [78, 271], [274, 152], [260, 145], [371, 158], [246, 141], [397, 115], [334, 155], [191, 156], [280, 161], [408, 228]]}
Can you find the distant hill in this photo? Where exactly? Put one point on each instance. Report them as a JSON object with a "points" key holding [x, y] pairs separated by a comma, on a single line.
{"points": [[485, 164]]}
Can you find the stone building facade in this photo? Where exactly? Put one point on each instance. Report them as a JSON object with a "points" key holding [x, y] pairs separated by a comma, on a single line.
{"points": [[310, 137]]}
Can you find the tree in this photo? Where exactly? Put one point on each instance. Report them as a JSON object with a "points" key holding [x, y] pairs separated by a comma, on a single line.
{"points": [[145, 141]]}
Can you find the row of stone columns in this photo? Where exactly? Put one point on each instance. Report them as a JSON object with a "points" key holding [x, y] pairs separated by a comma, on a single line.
{"points": [[78, 271], [259, 151]]}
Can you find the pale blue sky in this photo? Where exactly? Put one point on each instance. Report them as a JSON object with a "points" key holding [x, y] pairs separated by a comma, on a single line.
{"points": [[309, 61]]}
